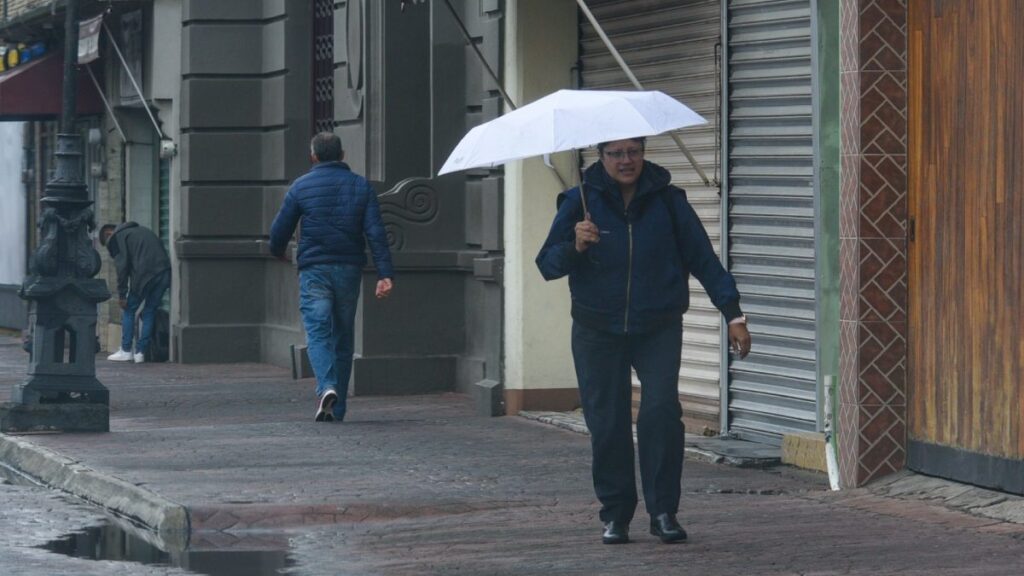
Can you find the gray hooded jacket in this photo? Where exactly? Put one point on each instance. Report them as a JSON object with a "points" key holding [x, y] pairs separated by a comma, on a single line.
{"points": [[139, 256]]}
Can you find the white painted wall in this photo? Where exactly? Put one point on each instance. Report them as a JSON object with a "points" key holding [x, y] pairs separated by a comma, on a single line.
{"points": [[12, 204], [540, 51], [166, 92]]}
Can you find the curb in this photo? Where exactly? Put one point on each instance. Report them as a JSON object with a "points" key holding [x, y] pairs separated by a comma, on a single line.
{"points": [[693, 451], [559, 420], [169, 520]]}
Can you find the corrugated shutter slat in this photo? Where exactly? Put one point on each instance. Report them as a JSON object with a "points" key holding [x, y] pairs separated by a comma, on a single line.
{"points": [[771, 215], [670, 46]]}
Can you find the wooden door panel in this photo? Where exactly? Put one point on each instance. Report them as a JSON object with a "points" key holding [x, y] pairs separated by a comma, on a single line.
{"points": [[966, 182]]}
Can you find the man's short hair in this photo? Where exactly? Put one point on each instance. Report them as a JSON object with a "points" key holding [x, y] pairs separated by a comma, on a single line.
{"points": [[642, 140], [326, 146], [103, 232]]}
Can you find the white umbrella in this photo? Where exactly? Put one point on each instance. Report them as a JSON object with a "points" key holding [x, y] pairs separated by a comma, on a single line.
{"points": [[566, 120]]}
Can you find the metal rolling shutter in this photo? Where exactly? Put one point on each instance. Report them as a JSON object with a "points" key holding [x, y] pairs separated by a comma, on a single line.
{"points": [[671, 46], [164, 215], [771, 215]]}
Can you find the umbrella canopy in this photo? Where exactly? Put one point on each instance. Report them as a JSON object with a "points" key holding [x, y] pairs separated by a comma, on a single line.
{"points": [[566, 120]]}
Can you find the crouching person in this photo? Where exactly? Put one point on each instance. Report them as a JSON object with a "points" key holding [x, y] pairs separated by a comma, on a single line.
{"points": [[143, 276]]}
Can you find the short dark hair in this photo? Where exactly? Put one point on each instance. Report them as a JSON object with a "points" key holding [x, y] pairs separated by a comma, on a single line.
{"points": [[103, 230], [642, 140], [326, 146]]}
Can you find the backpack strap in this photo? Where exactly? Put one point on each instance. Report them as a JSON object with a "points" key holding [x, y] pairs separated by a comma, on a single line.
{"points": [[672, 208], [563, 196]]}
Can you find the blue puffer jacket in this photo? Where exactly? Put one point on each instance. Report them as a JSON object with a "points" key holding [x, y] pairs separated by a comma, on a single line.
{"points": [[636, 278], [339, 213]]}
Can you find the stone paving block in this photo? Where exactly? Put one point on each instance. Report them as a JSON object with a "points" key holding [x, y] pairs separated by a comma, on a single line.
{"points": [[804, 450], [425, 486]]}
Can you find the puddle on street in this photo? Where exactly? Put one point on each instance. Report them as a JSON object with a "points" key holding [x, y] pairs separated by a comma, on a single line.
{"points": [[111, 542], [260, 555]]}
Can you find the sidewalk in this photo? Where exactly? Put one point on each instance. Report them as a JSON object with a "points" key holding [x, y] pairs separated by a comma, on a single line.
{"points": [[420, 485]]}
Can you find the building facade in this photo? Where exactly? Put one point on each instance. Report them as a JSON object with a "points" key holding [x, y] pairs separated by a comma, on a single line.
{"points": [[800, 177], [257, 79]]}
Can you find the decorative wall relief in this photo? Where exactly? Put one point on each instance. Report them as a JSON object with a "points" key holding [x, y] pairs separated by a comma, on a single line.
{"points": [[413, 201], [348, 52], [396, 236]]}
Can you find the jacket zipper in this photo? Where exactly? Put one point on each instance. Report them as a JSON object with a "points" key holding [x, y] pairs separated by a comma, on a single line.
{"points": [[629, 270]]}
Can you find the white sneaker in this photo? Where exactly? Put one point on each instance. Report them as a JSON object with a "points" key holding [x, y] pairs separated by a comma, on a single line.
{"points": [[140, 357], [325, 406], [120, 356]]}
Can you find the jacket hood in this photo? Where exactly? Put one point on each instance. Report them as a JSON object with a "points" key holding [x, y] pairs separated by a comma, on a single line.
{"points": [[652, 179], [125, 226]]}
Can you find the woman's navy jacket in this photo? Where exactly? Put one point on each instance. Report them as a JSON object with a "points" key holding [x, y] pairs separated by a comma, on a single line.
{"points": [[636, 278], [339, 212]]}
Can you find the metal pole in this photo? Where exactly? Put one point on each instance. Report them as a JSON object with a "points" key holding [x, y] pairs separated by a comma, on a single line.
{"points": [[632, 78], [142, 97], [723, 120], [67, 118], [490, 72], [106, 103], [487, 67]]}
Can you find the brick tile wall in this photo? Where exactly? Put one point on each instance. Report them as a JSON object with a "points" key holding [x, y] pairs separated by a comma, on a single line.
{"points": [[873, 254]]}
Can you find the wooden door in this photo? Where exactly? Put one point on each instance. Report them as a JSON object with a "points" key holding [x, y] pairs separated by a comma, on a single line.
{"points": [[966, 246]]}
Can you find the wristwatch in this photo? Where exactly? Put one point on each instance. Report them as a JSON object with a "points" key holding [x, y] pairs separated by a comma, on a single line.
{"points": [[738, 320]]}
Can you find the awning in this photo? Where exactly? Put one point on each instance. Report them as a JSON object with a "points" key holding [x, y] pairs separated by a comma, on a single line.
{"points": [[33, 91]]}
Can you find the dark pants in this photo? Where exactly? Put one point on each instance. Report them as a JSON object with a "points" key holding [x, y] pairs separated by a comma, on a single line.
{"points": [[603, 362]]}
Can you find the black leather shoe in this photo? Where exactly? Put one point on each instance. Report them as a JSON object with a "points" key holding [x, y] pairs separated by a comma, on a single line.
{"points": [[667, 528], [615, 532]]}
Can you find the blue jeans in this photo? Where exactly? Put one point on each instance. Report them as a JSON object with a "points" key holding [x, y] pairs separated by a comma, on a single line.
{"points": [[150, 300], [328, 297]]}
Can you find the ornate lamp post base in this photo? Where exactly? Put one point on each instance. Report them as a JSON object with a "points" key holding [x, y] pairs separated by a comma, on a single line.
{"points": [[62, 392], [24, 418]]}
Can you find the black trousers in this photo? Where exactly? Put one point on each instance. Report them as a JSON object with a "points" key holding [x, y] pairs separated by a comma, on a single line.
{"points": [[603, 361]]}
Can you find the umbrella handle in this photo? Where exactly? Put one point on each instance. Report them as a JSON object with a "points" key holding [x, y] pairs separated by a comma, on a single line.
{"points": [[583, 196]]}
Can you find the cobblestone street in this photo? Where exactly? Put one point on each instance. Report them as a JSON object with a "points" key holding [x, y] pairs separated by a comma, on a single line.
{"points": [[420, 485]]}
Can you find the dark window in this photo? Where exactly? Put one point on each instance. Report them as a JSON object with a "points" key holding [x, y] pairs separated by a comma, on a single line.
{"points": [[323, 65]]}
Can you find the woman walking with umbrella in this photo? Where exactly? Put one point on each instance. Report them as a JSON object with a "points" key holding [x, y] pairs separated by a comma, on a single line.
{"points": [[629, 240]]}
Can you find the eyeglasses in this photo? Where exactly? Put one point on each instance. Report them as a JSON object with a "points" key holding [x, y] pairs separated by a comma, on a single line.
{"points": [[632, 153]]}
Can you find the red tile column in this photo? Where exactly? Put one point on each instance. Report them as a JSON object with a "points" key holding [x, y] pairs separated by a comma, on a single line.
{"points": [[873, 252]]}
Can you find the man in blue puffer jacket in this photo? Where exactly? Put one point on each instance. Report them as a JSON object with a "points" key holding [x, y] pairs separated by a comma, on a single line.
{"points": [[339, 213], [629, 251]]}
